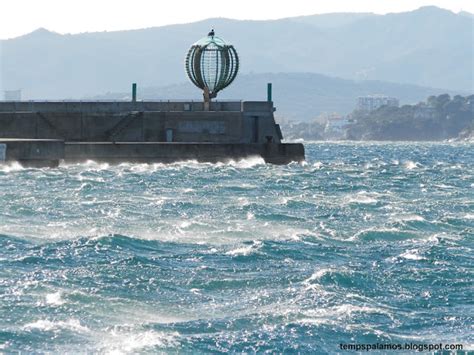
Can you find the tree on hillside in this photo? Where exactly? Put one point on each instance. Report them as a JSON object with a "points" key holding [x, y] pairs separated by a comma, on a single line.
{"points": [[441, 117]]}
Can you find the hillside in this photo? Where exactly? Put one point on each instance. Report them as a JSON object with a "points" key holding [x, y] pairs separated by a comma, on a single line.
{"points": [[440, 117], [428, 47]]}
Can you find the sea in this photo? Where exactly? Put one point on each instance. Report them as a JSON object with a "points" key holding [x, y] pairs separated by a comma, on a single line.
{"points": [[362, 244]]}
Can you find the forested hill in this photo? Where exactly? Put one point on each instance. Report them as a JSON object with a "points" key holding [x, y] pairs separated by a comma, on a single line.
{"points": [[440, 117]]}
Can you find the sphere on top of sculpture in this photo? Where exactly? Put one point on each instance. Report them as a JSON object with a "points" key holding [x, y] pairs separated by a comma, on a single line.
{"points": [[212, 64]]}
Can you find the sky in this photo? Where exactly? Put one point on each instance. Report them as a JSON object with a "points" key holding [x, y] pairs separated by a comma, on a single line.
{"points": [[18, 17]]}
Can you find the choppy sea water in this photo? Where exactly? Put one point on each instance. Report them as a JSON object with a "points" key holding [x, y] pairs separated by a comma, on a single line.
{"points": [[364, 243]]}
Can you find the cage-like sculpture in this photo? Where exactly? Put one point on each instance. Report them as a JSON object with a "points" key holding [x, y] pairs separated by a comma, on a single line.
{"points": [[212, 64]]}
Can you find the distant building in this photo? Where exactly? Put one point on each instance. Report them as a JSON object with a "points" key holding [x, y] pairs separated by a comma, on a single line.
{"points": [[12, 95], [373, 102]]}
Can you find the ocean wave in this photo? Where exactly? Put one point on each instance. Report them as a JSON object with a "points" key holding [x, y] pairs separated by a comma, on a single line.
{"points": [[364, 197], [331, 279], [318, 275], [55, 298], [47, 326], [246, 250], [410, 165], [384, 233], [407, 218], [11, 167], [91, 165], [346, 310], [121, 341], [87, 165], [413, 254]]}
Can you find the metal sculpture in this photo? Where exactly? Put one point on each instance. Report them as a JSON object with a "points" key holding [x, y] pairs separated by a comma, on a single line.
{"points": [[212, 65]]}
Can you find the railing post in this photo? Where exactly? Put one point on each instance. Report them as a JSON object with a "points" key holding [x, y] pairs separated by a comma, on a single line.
{"points": [[269, 92], [134, 92]]}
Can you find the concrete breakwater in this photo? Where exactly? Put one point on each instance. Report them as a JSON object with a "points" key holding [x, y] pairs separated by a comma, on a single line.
{"points": [[141, 132], [32, 152]]}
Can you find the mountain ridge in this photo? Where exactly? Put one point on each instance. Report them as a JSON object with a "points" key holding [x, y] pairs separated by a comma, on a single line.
{"points": [[429, 47], [302, 18]]}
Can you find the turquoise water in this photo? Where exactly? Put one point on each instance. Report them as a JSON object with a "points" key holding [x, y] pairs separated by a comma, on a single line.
{"points": [[365, 243]]}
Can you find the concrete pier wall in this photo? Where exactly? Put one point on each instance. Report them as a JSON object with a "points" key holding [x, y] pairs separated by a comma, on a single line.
{"points": [[44, 133], [230, 122], [93, 107], [32, 152]]}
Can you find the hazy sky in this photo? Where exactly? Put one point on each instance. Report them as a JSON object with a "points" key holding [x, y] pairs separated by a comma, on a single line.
{"points": [[18, 17]]}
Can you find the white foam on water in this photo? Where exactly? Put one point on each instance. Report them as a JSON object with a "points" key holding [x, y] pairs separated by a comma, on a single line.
{"points": [[244, 185], [317, 275], [47, 325], [243, 201], [10, 167], [383, 233], [362, 197], [347, 310], [365, 200], [46, 234], [410, 165], [413, 254], [142, 168], [247, 162], [429, 240], [318, 165], [226, 232], [204, 231], [54, 298], [91, 165], [426, 294], [344, 314], [88, 165], [407, 218], [283, 200], [444, 186], [126, 342], [199, 231], [246, 250], [185, 224], [447, 237], [312, 283]]}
